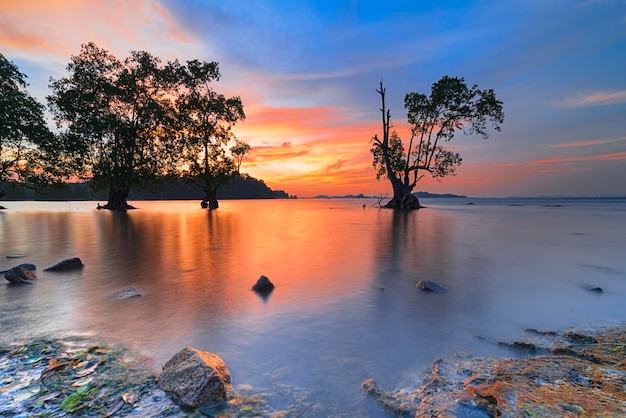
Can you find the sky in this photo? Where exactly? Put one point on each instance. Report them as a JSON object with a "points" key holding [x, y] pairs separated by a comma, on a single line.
{"points": [[307, 73]]}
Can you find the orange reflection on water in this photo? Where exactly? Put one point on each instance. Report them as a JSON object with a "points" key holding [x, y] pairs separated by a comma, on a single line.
{"points": [[195, 268]]}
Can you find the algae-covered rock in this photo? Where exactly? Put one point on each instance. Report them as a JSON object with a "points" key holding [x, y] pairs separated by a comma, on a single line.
{"points": [[78, 377], [193, 377], [583, 374]]}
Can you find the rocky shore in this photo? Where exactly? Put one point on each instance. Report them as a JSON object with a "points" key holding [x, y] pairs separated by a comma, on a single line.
{"points": [[571, 374]]}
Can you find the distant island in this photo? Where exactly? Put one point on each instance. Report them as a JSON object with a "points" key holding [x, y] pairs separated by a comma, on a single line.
{"points": [[241, 187], [420, 195]]}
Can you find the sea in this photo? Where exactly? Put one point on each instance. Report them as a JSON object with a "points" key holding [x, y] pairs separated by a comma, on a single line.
{"points": [[345, 306]]}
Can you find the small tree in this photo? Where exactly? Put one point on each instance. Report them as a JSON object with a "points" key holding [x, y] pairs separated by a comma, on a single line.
{"points": [[26, 144], [239, 150], [206, 119], [452, 106], [118, 118]]}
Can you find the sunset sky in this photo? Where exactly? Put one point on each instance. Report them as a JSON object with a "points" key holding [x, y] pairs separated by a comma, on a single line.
{"points": [[307, 72]]}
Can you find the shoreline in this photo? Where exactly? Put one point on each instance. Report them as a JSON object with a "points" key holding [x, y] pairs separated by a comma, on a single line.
{"points": [[579, 372], [80, 376]]}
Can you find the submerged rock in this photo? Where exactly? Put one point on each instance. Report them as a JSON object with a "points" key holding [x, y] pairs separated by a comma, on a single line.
{"points": [[66, 265], [193, 377], [131, 292], [263, 285], [24, 273], [428, 286]]}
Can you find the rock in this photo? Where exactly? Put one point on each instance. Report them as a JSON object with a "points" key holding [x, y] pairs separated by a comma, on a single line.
{"points": [[24, 273], [263, 285], [595, 289], [579, 338], [67, 265], [428, 286], [193, 377], [131, 292], [586, 379]]}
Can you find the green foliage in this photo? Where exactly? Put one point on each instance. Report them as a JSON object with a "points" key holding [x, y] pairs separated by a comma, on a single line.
{"points": [[26, 144]]}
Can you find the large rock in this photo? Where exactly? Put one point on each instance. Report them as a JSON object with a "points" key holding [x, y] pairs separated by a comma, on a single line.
{"points": [[263, 285], [24, 273], [573, 376], [67, 265], [193, 377]]}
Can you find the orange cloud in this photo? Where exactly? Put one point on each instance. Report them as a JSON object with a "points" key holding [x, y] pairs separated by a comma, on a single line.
{"points": [[58, 28], [588, 143], [598, 98], [615, 156], [306, 150]]}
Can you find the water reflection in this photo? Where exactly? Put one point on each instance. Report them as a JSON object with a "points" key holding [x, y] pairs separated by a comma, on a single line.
{"points": [[345, 306]]}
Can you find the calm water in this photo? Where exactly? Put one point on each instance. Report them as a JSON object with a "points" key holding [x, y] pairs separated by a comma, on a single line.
{"points": [[345, 307]]}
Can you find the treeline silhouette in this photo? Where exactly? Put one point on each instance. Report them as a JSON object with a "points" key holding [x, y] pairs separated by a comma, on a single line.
{"points": [[240, 187]]}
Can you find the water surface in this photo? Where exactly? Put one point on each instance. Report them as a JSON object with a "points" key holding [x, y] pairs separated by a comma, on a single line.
{"points": [[345, 307]]}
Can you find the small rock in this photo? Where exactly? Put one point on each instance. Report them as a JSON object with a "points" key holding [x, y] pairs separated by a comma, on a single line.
{"points": [[521, 346], [193, 377], [131, 292], [263, 285], [577, 337], [67, 265], [24, 273], [428, 286]]}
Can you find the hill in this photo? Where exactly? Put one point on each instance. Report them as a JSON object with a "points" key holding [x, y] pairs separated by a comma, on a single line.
{"points": [[241, 187]]}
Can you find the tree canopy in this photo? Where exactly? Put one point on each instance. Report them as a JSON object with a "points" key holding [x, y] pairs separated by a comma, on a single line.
{"points": [[206, 119], [26, 143], [117, 117], [451, 107], [132, 122]]}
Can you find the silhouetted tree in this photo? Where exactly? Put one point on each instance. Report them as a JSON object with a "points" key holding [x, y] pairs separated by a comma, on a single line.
{"points": [[452, 106], [119, 119], [26, 144], [206, 120], [239, 150]]}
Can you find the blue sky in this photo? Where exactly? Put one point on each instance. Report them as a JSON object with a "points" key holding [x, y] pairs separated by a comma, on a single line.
{"points": [[307, 72]]}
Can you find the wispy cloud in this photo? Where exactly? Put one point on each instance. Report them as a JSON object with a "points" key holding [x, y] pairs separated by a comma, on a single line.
{"points": [[615, 156], [597, 98], [588, 143]]}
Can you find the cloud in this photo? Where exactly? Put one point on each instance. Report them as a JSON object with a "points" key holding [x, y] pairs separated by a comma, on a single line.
{"points": [[588, 143], [615, 156], [597, 98], [59, 28]]}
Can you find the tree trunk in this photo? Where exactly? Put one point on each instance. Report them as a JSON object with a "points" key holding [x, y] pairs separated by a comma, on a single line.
{"points": [[210, 198], [403, 199], [117, 199]]}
